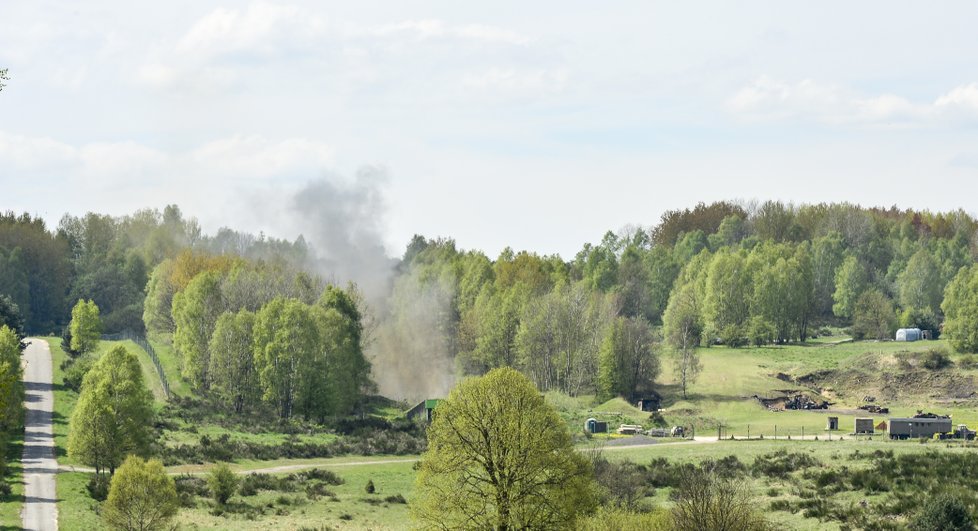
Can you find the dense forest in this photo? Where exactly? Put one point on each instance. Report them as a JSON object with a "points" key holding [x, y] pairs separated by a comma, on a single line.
{"points": [[721, 273]]}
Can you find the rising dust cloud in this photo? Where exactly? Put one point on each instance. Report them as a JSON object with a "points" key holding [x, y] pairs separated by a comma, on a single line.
{"points": [[408, 335]]}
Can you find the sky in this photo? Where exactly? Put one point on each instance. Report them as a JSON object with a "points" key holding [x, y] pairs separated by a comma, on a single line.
{"points": [[536, 125]]}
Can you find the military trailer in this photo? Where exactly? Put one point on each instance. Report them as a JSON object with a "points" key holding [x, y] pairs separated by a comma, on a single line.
{"points": [[864, 426], [629, 429], [924, 427]]}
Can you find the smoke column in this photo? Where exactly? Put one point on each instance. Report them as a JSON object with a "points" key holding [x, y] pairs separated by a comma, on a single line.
{"points": [[409, 324]]}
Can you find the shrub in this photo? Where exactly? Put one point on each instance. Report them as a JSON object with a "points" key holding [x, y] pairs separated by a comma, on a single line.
{"points": [[707, 501], [615, 519], [941, 513], [370, 489], [624, 482], [141, 496], [936, 359], [223, 483], [319, 474], [781, 463], [760, 331], [397, 498], [733, 336], [75, 370], [98, 487], [968, 362]]}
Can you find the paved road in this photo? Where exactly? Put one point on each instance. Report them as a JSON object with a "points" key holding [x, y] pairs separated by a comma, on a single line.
{"points": [[40, 466]]}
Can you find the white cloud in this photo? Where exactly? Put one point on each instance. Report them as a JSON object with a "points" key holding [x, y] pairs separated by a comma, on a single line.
{"points": [[262, 28], [228, 47], [963, 98], [510, 81], [257, 158], [434, 28], [229, 160], [767, 98]]}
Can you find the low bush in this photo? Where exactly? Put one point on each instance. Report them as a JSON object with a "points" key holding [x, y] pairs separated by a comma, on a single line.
{"points": [[98, 487], [225, 448], [781, 463], [936, 359], [397, 498]]}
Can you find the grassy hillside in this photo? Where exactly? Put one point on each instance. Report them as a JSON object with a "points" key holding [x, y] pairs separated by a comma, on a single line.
{"points": [[842, 373]]}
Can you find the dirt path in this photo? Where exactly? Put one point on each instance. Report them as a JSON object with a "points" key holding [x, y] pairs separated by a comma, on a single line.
{"points": [[40, 511]]}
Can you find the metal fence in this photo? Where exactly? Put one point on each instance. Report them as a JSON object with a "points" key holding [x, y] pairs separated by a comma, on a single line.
{"points": [[145, 345]]}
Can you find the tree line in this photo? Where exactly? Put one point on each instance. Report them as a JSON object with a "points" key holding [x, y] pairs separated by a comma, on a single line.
{"points": [[253, 333], [731, 273], [108, 260], [721, 273]]}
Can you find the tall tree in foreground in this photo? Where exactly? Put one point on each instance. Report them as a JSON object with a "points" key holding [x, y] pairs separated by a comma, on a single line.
{"points": [[500, 458], [85, 326], [142, 497], [114, 413]]}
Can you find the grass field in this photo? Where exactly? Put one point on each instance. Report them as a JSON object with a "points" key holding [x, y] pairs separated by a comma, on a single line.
{"points": [[722, 395], [724, 392], [170, 362], [352, 507], [64, 401], [11, 505]]}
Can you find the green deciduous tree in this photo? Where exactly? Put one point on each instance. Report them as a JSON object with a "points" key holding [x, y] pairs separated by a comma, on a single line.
{"points": [[629, 361], [286, 338], [828, 252], [500, 458], [114, 414], [11, 386], [195, 313], [920, 283], [729, 285], [86, 327], [559, 338], [142, 497], [232, 360], [873, 316], [683, 328], [960, 308], [851, 280]]}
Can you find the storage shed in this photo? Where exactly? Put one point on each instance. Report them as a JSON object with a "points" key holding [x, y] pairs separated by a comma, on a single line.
{"points": [[864, 426], [423, 411], [832, 424], [593, 425], [909, 334]]}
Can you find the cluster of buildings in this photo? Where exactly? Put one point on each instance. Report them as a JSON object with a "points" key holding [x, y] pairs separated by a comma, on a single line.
{"points": [[920, 426]]}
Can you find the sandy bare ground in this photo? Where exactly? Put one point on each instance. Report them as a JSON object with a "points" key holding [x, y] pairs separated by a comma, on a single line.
{"points": [[40, 511]]}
